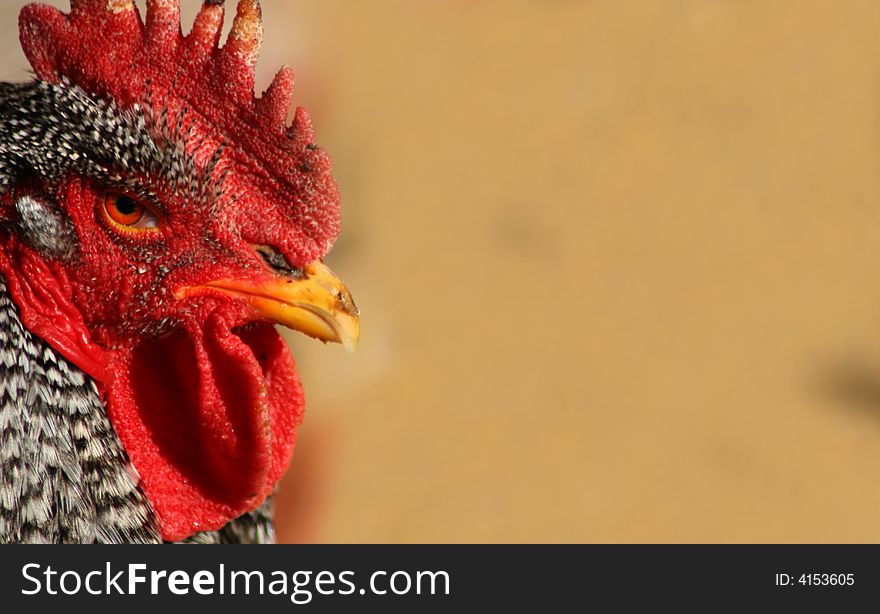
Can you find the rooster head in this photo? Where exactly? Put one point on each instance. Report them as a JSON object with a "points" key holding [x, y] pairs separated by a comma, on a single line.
{"points": [[158, 220]]}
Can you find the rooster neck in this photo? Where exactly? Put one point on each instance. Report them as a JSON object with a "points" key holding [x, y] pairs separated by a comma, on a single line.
{"points": [[64, 475]]}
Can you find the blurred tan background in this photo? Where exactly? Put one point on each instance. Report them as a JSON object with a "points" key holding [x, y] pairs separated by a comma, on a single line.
{"points": [[617, 264]]}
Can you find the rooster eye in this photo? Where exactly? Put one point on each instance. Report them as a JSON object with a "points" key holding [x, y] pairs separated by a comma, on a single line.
{"points": [[125, 211]]}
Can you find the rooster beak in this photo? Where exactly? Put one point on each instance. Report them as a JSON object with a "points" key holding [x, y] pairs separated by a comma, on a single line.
{"points": [[315, 302]]}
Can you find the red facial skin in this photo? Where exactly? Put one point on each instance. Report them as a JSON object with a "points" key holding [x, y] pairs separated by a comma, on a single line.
{"points": [[205, 400]]}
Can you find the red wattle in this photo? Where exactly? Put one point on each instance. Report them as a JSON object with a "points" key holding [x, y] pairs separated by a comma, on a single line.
{"points": [[209, 419]]}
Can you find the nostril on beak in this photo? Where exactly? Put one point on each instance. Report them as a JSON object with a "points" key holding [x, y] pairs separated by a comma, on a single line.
{"points": [[278, 262]]}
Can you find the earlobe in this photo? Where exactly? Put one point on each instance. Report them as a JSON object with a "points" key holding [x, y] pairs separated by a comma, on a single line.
{"points": [[44, 227]]}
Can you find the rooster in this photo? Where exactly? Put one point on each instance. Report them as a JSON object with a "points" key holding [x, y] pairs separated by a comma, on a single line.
{"points": [[157, 219]]}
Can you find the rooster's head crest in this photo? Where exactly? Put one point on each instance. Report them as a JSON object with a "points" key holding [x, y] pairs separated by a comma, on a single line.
{"points": [[108, 50]]}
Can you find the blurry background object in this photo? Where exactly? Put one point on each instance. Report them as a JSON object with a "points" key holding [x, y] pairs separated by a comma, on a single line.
{"points": [[617, 264]]}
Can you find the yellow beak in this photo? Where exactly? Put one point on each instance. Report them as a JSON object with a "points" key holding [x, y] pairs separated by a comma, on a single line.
{"points": [[317, 304]]}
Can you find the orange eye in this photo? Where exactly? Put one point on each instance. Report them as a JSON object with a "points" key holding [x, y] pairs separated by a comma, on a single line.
{"points": [[128, 212]]}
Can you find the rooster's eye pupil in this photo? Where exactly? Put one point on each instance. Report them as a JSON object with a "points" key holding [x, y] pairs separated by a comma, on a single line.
{"points": [[126, 205]]}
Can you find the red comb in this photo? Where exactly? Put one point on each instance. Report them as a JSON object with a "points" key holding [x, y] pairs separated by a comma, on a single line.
{"points": [[104, 47]]}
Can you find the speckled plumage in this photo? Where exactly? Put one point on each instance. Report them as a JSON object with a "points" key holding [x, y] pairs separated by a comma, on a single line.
{"points": [[64, 476]]}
